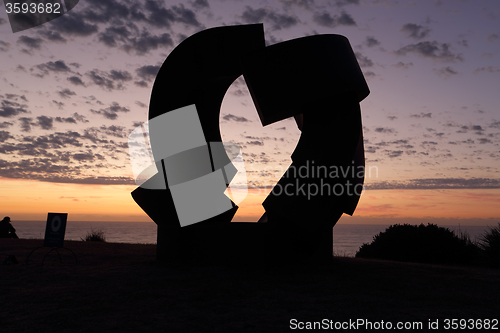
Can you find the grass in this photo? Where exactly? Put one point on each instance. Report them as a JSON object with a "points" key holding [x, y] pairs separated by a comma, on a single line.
{"points": [[490, 244], [423, 244], [95, 236]]}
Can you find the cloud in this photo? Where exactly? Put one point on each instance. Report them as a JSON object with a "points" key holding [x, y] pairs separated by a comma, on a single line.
{"points": [[232, 117], [163, 17], [26, 124], [5, 124], [56, 140], [146, 42], [255, 143], [69, 120], [101, 180], [495, 124], [98, 135], [303, 4], [111, 112], [9, 109], [363, 60], [403, 65], [385, 130], [75, 80], [148, 72], [58, 66], [489, 69], [279, 21], [400, 144], [186, 16], [415, 30], [44, 169], [106, 80], [437, 183], [199, 4], [369, 74], [83, 157], [4, 46], [4, 135], [99, 78], [104, 11], [479, 130], [53, 36], [54, 155], [421, 115], [342, 3], [80, 118], [239, 92], [15, 97], [429, 144], [32, 43], [493, 38], [120, 75], [113, 130], [445, 72], [66, 93], [259, 138], [483, 141], [45, 122], [113, 34], [142, 84], [468, 141], [326, 20], [39, 146], [72, 24], [92, 100], [371, 41], [432, 50], [394, 153]]}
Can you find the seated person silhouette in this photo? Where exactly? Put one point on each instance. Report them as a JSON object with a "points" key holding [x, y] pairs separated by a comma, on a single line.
{"points": [[6, 229]]}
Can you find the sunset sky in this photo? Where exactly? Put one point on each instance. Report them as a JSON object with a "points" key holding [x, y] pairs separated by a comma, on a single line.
{"points": [[73, 89]]}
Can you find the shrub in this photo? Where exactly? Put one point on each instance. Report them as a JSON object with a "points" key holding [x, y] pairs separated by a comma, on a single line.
{"points": [[490, 244], [94, 236], [425, 244]]}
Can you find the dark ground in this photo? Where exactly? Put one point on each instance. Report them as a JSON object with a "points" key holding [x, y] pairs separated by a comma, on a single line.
{"points": [[121, 288]]}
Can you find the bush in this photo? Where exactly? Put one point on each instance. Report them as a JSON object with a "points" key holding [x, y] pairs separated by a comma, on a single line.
{"points": [[425, 244], [94, 236], [490, 244]]}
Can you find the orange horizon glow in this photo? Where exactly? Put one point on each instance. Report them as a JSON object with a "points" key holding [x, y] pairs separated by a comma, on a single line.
{"points": [[108, 203]]}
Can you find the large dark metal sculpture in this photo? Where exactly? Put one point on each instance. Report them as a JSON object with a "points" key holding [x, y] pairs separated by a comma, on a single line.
{"points": [[315, 79]]}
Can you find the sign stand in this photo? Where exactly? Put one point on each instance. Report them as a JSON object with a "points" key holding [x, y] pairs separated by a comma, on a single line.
{"points": [[54, 236]]}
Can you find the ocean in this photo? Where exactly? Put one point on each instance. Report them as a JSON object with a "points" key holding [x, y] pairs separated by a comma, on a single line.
{"points": [[347, 238]]}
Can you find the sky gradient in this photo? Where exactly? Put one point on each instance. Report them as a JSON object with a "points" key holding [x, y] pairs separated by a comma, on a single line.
{"points": [[73, 89]]}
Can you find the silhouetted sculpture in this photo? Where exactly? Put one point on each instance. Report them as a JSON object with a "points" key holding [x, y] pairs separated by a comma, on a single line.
{"points": [[317, 80], [6, 229]]}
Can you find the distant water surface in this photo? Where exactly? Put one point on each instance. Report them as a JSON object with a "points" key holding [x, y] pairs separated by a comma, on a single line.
{"points": [[115, 232], [347, 237]]}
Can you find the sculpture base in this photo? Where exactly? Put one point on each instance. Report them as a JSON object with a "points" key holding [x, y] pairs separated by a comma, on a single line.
{"points": [[242, 243]]}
